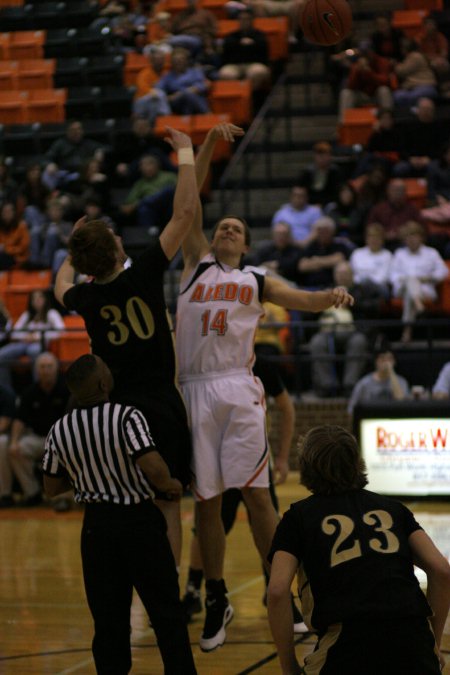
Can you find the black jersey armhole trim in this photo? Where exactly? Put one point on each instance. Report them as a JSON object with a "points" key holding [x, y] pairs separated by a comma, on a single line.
{"points": [[260, 281], [198, 272]]}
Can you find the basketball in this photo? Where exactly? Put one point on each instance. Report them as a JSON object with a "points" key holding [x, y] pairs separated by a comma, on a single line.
{"points": [[326, 22]]}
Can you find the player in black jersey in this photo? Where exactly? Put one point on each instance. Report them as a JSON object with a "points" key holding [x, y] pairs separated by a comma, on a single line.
{"points": [[354, 553]]}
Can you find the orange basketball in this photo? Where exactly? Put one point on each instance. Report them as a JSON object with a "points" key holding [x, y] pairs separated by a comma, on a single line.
{"points": [[326, 22]]}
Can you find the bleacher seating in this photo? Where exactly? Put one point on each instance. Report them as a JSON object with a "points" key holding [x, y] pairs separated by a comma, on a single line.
{"points": [[357, 125]]}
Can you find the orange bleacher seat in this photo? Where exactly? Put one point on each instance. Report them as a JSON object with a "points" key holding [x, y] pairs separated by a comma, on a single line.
{"points": [[275, 29], [70, 346], [233, 97], [32, 279], [3, 282], [4, 46], [357, 126], [11, 3], [134, 63], [36, 73], [9, 75], [46, 105], [27, 44], [216, 7], [74, 322], [416, 190], [16, 300], [201, 124], [13, 107], [424, 4], [180, 122], [409, 20]]}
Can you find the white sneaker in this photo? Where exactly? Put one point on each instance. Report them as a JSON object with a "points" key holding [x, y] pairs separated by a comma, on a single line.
{"points": [[217, 617], [301, 627]]}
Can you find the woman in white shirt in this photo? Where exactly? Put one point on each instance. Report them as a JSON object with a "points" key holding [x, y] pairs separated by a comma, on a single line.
{"points": [[416, 271], [373, 262], [31, 333]]}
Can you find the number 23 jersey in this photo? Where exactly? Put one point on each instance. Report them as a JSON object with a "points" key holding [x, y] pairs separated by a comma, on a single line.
{"points": [[128, 324], [354, 557], [217, 316]]}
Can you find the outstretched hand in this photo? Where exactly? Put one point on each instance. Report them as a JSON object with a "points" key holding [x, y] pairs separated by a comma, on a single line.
{"points": [[177, 139], [227, 131], [342, 297]]}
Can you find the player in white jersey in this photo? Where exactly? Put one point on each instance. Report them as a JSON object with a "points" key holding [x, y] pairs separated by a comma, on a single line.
{"points": [[219, 308]]}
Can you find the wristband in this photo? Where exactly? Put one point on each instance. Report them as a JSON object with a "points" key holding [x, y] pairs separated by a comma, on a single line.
{"points": [[186, 156]]}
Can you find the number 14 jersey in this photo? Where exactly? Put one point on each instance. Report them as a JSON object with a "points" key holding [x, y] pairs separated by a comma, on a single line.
{"points": [[217, 316]]}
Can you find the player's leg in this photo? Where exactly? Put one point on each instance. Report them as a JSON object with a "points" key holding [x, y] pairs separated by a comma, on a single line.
{"points": [[263, 518]]}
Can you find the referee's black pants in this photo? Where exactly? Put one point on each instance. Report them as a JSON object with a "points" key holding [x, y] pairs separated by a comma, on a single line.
{"points": [[124, 547]]}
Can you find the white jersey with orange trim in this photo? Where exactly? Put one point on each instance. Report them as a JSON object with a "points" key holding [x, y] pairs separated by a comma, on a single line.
{"points": [[217, 316]]}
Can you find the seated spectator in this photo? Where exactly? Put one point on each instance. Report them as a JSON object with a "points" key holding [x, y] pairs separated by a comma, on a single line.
{"points": [[279, 255], [322, 178], [67, 155], [373, 262], [384, 143], [48, 247], [421, 140], [434, 46], [210, 58], [192, 26], [93, 211], [441, 388], [300, 215], [370, 190], [150, 101], [416, 77], [150, 198], [344, 210], [41, 404], [91, 182], [14, 238], [416, 271], [386, 40], [8, 186], [369, 81], [185, 86], [438, 178], [7, 413], [382, 385], [394, 212], [245, 54], [130, 148], [322, 254], [33, 196]]}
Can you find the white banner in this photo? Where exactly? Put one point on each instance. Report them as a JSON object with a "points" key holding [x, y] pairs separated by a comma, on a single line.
{"points": [[407, 456]]}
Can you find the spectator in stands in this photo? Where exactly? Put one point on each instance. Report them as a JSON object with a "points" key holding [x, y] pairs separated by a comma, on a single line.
{"points": [[92, 182], [438, 178], [416, 271], [416, 77], [386, 40], [369, 81], [434, 45], [394, 212], [370, 190], [41, 404], [184, 85], [192, 26], [8, 186], [210, 58], [280, 255], [383, 384], [421, 140], [322, 178], [7, 413], [33, 196], [299, 214], [151, 101], [67, 155], [441, 389], [31, 333], [344, 210], [245, 54], [322, 254], [14, 238], [150, 198], [93, 211], [49, 240], [129, 150], [384, 143], [373, 262]]}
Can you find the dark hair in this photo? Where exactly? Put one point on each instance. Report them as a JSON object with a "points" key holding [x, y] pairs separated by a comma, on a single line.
{"points": [[79, 371], [247, 232], [330, 462], [8, 227], [47, 305], [93, 249]]}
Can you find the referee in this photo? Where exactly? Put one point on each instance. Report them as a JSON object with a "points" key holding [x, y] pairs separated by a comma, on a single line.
{"points": [[106, 453]]}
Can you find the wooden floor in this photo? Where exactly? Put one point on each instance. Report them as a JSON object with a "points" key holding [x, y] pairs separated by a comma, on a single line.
{"points": [[45, 626]]}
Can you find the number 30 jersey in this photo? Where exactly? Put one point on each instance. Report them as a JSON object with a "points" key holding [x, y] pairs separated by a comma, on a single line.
{"points": [[354, 557], [217, 316], [128, 324]]}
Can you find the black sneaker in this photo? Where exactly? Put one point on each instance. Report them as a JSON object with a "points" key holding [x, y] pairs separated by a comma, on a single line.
{"points": [[192, 604], [219, 613], [7, 502]]}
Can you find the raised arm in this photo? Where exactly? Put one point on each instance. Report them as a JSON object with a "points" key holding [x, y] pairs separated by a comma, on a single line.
{"points": [[185, 199], [280, 293], [66, 273], [196, 245]]}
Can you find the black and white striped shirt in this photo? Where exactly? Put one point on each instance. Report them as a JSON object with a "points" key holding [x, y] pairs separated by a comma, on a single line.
{"points": [[97, 447]]}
